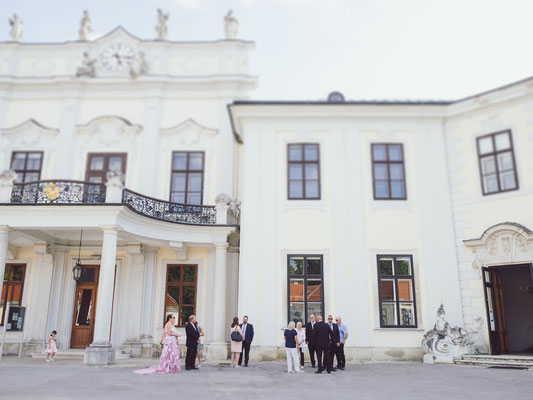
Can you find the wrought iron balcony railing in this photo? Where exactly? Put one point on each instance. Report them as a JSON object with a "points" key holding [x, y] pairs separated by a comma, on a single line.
{"points": [[170, 212], [58, 192]]}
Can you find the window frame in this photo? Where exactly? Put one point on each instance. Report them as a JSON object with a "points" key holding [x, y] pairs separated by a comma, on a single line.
{"points": [[305, 278], [187, 172], [107, 156], [25, 170], [10, 284], [303, 163], [395, 277], [180, 284], [388, 162], [495, 153]]}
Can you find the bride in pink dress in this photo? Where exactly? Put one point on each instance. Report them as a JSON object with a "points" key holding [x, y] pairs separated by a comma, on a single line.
{"points": [[170, 355]]}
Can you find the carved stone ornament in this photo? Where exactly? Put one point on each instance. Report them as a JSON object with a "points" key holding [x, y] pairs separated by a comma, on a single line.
{"points": [[86, 29], [235, 208], [444, 343], [8, 176], [223, 198], [87, 67], [15, 34], [140, 66], [231, 25]]}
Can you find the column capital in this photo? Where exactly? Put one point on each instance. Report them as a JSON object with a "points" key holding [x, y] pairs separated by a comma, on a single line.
{"points": [[110, 228], [220, 245], [5, 229]]}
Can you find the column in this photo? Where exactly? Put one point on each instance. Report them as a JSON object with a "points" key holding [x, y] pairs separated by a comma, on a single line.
{"points": [[35, 330], [4, 241], [218, 349], [150, 255], [101, 351]]}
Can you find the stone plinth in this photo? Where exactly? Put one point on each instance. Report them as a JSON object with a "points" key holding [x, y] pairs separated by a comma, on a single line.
{"points": [[99, 354]]}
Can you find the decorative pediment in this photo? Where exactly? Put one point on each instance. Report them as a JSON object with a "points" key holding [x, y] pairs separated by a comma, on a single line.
{"points": [[109, 130], [117, 34], [28, 133], [189, 134], [504, 243]]}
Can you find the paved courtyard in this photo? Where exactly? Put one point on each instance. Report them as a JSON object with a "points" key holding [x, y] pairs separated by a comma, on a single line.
{"points": [[66, 379]]}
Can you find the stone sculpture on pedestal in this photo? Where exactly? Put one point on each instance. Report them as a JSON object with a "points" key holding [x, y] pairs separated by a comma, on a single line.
{"points": [[15, 34], [85, 27], [161, 28], [443, 343], [231, 24]]}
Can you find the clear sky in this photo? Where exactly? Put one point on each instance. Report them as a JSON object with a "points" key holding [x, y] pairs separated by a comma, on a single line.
{"points": [[367, 49]]}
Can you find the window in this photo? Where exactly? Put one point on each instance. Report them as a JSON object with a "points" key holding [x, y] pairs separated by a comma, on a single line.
{"points": [[12, 287], [303, 171], [187, 180], [305, 287], [396, 291], [98, 164], [180, 296], [496, 162], [27, 165], [388, 172]]}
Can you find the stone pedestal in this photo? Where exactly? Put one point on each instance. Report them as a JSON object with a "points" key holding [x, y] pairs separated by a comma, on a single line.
{"points": [[99, 354], [147, 348], [217, 351]]}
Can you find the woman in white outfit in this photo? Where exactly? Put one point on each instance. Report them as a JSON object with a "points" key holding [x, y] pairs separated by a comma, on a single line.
{"points": [[291, 348], [301, 343]]}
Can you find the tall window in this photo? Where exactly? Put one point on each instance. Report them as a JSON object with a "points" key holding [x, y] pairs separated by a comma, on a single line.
{"points": [[304, 171], [98, 164], [396, 291], [12, 287], [388, 172], [180, 297], [27, 165], [305, 287], [497, 163], [187, 180]]}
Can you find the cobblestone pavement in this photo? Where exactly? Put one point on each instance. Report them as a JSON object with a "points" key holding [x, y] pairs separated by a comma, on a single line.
{"points": [[67, 379]]}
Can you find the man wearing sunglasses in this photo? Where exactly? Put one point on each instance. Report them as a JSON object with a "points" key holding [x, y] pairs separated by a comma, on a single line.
{"points": [[343, 333], [335, 340]]}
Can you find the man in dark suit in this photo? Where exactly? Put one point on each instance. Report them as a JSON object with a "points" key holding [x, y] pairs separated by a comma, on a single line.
{"points": [[323, 343], [248, 332], [335, 340], [193, 336], [310, 339]]}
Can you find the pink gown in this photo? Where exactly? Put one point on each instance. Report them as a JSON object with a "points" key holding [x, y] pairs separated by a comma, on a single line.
{"points": [[170, 357]]}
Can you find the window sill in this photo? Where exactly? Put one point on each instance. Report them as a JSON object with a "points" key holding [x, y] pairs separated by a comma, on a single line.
{"points": [[400, 329]]}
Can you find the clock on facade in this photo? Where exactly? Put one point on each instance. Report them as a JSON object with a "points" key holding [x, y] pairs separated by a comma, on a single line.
{"points": [[117, 57]]}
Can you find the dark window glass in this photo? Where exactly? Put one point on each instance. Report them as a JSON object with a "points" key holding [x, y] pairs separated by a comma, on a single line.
{"points": [[303, 171], [180, 298], [396, 292], [12, 287], [99, 164], [388, 172], [187, 177], [305, 287], [27, 165], [497, 163]]}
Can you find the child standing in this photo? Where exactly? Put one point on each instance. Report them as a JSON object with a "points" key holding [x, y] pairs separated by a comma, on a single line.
{"points": [[52, 348]]}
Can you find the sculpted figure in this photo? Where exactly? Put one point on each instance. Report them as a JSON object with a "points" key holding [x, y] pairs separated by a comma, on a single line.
{"points": [[140, 66], [87, 67], [85, 27], [231, 25], [161, 28], [15, 34]]}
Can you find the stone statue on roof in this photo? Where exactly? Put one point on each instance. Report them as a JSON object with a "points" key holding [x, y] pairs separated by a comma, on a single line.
{"points": [[85, 27], [15, 34], [161, 28], [231, 25]]}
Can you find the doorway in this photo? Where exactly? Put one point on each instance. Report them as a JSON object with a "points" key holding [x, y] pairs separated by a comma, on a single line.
{"points": [[85, 307], [509, 302]]}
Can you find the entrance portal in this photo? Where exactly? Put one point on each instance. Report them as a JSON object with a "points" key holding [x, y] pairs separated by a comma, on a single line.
{"points": [[509, 300], [85, 307]]}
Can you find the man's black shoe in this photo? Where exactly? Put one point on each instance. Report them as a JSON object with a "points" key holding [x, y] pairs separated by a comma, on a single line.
{"points": [[245, 365], [329, 372], [195, 368], [318, 372]]}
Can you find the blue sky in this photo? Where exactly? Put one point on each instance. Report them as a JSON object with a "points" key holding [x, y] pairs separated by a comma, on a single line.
{"points": [[367, 49]]}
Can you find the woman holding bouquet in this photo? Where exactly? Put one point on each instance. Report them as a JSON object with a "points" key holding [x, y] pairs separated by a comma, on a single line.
{"points": [[170, 355]]}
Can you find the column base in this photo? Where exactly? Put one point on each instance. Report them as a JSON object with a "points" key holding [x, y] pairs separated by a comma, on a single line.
{"points": [[217, 351], [147, 347], [99, 354]]}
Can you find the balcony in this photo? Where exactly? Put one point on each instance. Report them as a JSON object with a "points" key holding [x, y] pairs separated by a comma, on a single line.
{"points": [[69, 192]]}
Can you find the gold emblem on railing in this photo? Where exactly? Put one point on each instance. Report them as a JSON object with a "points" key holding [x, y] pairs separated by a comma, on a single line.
{"points": [[52, 191]]}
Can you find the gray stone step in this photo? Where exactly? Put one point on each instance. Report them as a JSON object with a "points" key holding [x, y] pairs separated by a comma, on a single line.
{"points": [[508, 360], [75, 354]]}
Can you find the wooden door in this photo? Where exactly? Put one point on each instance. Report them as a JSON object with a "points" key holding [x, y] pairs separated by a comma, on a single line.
{"points": [[499, 339], [84, 308]]}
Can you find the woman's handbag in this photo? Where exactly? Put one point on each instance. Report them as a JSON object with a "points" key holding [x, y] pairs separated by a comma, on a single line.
{"points": [[236, 336]]}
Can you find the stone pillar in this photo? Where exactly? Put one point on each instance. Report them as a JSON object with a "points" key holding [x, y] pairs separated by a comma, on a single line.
{"points": [[218, 348], [35, 331], [101, 352], [222, 204], [6, 185], [150, 255], [114, 187], [4, 241]]}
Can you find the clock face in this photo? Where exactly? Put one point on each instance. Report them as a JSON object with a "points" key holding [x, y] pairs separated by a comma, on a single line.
{"points": [[117, 57]]}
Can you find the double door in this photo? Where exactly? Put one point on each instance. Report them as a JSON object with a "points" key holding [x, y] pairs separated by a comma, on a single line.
{"points": [[85, 308]]}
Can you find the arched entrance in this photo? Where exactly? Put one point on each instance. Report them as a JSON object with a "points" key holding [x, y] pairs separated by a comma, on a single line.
{"points": [[504, 254]]}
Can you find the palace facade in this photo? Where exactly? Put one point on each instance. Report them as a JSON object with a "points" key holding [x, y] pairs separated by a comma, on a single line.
{"points": [[145, 162]]}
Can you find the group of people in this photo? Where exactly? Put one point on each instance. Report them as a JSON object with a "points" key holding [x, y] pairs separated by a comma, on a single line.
{"points": [[324, 340]]}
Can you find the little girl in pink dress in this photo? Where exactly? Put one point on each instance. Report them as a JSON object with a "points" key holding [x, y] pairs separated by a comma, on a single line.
{"points": [[52, 348], [170, 355]]}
